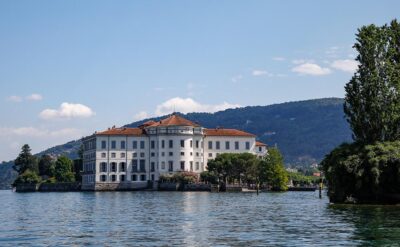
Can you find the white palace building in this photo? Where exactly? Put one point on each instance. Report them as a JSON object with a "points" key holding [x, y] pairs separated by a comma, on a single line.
{"points": [[127, 158]]}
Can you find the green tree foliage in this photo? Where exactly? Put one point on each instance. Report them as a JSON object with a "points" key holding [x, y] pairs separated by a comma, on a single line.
{"points": [[366, 173], [248, 168], [372, 103], [25, 161], [368, 170], [273, 171], [63, 170], [300, 179], [27, 177], [46, 166]]}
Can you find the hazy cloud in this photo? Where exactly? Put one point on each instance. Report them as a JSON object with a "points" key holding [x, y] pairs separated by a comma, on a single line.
{"points": [[39, 133], [34, 97], [311, 69], [346, 65], [278, 59], [140, 116], [14, 98], [186, 105], [236, 78], [67, 111]]}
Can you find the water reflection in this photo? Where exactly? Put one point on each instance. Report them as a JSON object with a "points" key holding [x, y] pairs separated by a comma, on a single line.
{"points": [[192, 219]]}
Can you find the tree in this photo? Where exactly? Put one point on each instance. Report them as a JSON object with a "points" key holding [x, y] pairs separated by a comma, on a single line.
{"points": [[372, 102], [272, 170], [46, 166], [27, 177], [25, 161], [63, 170]]}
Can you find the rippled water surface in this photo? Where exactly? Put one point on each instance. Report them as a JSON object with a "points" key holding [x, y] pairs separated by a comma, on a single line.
{"points": [[191, 219]]}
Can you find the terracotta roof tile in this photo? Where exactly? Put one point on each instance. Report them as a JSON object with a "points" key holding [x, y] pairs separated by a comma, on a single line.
{"points": [[175, 120], [260, 144], [226, 132], [123, 131]]}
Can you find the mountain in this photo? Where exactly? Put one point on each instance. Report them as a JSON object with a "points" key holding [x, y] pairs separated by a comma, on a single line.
{"points": [[304, 130]]}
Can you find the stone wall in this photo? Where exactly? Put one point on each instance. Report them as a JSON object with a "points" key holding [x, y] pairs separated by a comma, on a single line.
{"points": [[27, 187], [59, 187], [119, 186]]}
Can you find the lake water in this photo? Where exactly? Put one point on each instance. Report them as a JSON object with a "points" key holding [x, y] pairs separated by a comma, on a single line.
{"points": [[191, 219]]}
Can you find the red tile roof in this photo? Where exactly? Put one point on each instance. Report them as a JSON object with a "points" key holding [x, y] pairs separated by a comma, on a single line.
{"points": [[174, 120], [260, 144], [226, 132], [123, 131]]}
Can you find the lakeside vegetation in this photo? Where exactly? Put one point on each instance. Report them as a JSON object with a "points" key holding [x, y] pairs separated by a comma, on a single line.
{"points": [[246, 168], [368, 170], [33, 170]]}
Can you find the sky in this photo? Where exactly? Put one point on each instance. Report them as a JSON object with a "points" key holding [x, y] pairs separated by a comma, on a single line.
{"points": [[69, 68]]}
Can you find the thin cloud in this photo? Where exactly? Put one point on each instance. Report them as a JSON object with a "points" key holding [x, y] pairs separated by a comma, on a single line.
{"points": [[311, 69], [14, 98], [34, 97], [236, 78], [346, 65], [186, 105], [279, 59], [67, 111]]}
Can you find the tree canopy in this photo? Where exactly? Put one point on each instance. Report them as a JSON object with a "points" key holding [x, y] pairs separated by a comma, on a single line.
{"points": [[25, 161], [372, 102]]}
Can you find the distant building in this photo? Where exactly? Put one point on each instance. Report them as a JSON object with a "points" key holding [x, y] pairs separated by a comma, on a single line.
{"points": [[127, 158]]}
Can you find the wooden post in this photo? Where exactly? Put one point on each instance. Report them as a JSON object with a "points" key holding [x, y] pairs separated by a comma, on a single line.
{"points": [[320, 188]]}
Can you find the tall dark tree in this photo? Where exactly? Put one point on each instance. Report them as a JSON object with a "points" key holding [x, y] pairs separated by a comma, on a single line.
{"points": [[46, 166], [63, 170], [372, 102], [25, 161]]}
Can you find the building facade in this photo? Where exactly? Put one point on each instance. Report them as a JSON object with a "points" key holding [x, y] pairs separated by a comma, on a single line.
{"points": [[127, 158]]}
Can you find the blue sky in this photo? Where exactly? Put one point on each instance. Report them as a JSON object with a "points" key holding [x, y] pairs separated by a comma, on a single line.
{"points": [[68, 68]]}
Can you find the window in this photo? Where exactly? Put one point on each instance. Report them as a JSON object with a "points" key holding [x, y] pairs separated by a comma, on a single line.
{"points": [[227, 145], [191, 143], [134, 165], [122, 178], [122, 144], [103, 167], [113, 167], [182, 153], [237, 145], [152, 167], [113, 144], [170, 166], [162, 143], [182, 165], [191, 153], [143, 177], [113, 178], [191, 165], [197, 154], [152, 177], [259, 149], [141, 144], [103, 145], [112, 155], [103, 155], [122, 155], [142, 154], [103, 178], [197, 166], [171, 154], [217, 145], [153, 154], [247, 145], [134, 155], [134, 177], [171, 144], [210, 155], [182, 143], [162, 154], [197, 144], [162, 165], [153, 144], [142, 164], [134, 144], [122, 167]]}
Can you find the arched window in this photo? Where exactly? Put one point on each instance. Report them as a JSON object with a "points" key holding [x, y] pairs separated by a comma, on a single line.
{"points": [[103, 167], [122, 167]]}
